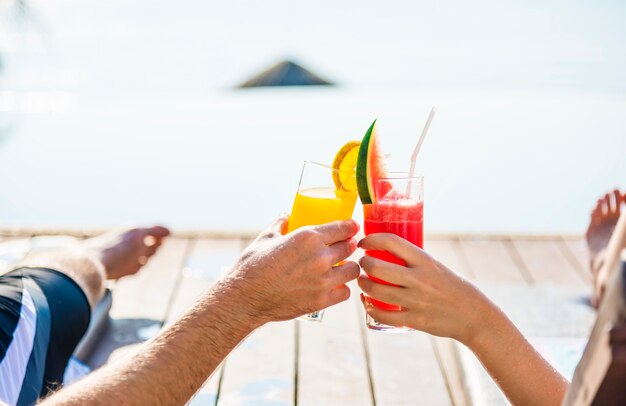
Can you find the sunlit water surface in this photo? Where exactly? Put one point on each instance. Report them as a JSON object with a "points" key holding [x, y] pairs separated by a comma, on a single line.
{"points": [[115, 113]]}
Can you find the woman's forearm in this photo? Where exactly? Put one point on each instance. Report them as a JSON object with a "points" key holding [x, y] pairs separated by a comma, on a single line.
{"points": [[438, 301], [524, 376]]}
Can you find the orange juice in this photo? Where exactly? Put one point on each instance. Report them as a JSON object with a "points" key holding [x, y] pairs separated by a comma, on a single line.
{"points": [[325, 194], [321, 205]]}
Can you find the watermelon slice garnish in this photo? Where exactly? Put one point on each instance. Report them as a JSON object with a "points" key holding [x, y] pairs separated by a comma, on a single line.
{"points": [[370, 167]]}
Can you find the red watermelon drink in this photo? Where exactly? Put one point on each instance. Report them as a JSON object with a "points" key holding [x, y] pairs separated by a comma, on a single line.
{"points": [[391, 204], [398, 213]]}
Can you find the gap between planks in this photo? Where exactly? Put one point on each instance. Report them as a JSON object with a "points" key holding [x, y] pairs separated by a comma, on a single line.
{"points": [[189, 247], [366, 352], [519, 261], [577, 264], [447, 356]]}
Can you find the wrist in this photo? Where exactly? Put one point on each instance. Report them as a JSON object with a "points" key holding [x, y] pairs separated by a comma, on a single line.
{"points": [[232, 294], [488, 322]]}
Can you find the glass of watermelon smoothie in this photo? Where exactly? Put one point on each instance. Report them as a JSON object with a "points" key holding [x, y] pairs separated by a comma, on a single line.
{"points": [[319, 201], [398, 209]]}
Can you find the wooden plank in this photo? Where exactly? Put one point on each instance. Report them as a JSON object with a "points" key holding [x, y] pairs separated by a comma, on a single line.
{"points": [[12, 250], [547, 263], [198, 234], [207, 262], [578, 248], [447, 352], [481, 389], [262, 369], [450, 254], [575, 249], [405, 370], [147, 294], [533, 257], [332, 368], [140, 303], [537, 263], [491, 262], [193, 234], [544, 310], [47, 242], [404, 367]]}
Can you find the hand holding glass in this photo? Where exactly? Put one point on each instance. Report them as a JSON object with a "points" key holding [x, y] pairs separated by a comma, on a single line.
{"points": [[399, 210], [317, 202]]}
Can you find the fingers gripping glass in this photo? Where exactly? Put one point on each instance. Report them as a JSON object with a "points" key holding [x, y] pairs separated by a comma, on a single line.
{"points": [[319, 201], [399, 210]]}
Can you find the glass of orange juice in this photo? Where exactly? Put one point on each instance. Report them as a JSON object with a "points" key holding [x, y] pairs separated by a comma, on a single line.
{"points": [[320, 199]]}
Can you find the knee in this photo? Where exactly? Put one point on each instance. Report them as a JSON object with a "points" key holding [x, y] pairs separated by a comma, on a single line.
{"points": [[84, 269]]}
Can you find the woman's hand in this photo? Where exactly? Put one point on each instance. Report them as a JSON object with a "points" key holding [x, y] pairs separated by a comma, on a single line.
{"points": [[433, 298], [436, 300]]}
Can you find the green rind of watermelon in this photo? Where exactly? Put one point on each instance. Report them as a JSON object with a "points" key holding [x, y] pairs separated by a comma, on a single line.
{"points": [[370, 166]]}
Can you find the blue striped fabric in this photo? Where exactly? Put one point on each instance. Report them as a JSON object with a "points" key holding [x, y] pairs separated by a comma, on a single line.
{"points": [[33, 379]]}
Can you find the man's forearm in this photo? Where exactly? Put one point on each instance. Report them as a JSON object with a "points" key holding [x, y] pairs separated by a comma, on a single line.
{"points": [[510, 359], [276, 278], [171, 368]]}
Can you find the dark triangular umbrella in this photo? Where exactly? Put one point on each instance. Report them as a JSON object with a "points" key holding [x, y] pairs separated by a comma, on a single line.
{"points": [[285, 73]]}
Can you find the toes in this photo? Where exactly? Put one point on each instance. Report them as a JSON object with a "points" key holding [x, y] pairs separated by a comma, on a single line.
{"points": [[617, 196], [606, 205], [596, 214], [611, 205], [158, 232], [607, 208], [149, 251], [153, 236], [149, 241]]}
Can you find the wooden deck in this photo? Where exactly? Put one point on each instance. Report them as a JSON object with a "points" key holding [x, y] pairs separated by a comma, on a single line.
{"points": [[540, 281]]}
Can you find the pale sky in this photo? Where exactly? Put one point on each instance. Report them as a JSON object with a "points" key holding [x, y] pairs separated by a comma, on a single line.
{"points": [[190, 45]]}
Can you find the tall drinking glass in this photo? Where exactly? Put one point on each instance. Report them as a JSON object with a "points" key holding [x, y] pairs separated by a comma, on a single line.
{"points": [[399, 209], [318, 201]]}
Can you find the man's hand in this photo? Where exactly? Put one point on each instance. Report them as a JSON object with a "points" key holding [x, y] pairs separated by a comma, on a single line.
{"points": [[279, 277]]}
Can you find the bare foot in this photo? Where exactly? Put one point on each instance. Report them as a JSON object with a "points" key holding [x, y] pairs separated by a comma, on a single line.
{"points": [[125, 253], [603, 220]]}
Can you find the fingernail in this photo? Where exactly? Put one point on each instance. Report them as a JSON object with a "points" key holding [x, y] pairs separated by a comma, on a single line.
{"points": [[367, 302], [358, 244]]}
